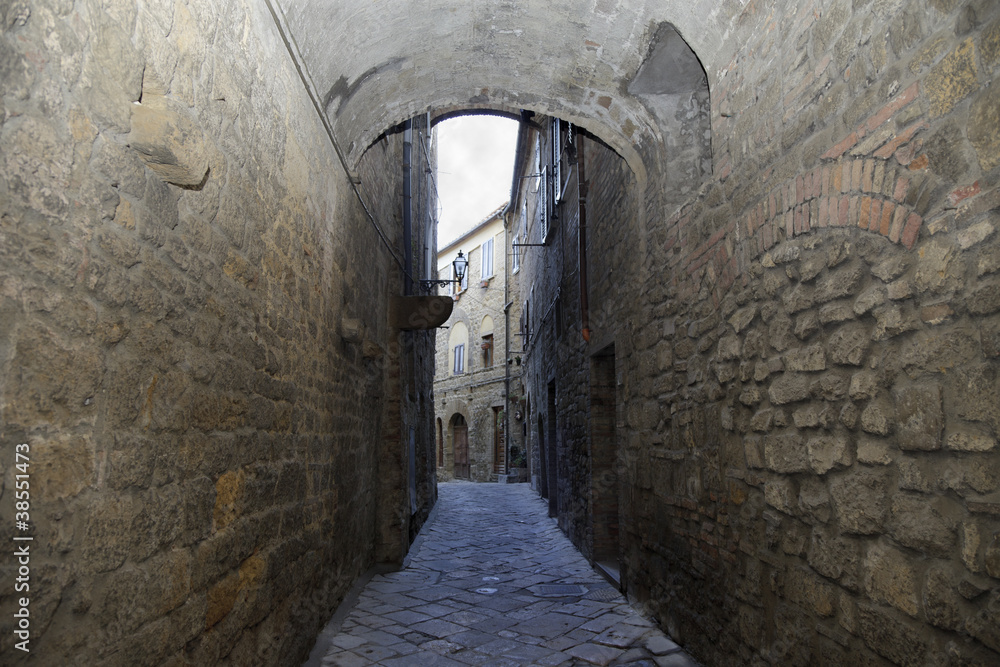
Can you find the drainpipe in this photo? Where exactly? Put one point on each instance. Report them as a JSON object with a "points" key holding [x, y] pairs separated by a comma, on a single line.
{"points": [[582, 187], [407, 209], [506, 335]]}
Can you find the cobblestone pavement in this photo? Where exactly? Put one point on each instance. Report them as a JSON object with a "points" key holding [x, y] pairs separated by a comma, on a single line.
{"points": [[491, 581]]}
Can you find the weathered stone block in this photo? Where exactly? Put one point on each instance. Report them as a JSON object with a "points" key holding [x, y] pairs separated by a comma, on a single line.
{"points": [[788, 388], [991, 557], [849, 343], [891, 578], [890, 637], [985, 626], [942, 603], [935, 352], [839, 283], [920, 415], [878, 417], [781, 493], [811, 358], [786, 453], [864, 385], [984, 299], [860, 496], [811, 592], [874, 451], [924, 524], [169, 141], [729, 348], [970, 442], [984, 126], [975, 392], [829, 452], [952, 79], [836, 557], [814, 499], [806, 324]]}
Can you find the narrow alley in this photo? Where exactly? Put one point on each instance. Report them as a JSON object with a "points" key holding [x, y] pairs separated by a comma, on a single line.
{"points": [[492, 581]]}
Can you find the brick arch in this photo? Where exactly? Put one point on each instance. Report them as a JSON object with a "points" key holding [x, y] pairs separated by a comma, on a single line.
{"points": [[851, 192]]}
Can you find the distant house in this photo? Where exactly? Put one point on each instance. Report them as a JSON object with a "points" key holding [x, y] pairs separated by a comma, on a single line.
{"points": [[477, 382]]}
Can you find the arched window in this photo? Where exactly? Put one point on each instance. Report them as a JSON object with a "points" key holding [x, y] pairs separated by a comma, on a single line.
{"points": [[457, 341], [486, 331]]}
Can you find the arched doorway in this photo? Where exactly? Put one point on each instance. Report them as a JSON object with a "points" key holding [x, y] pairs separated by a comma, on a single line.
{"points": [[460, 446], [440, 443]]}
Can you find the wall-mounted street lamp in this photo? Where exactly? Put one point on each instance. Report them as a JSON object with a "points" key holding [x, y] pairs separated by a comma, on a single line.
{"points": [[461, 264]]}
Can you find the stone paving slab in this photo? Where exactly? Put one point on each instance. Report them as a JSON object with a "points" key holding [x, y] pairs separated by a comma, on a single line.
{"points": [[492, 582]]}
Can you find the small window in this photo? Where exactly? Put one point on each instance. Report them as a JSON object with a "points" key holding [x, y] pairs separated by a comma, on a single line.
{"points": [[543, 205], [556, 160], [488, 351], [459, 366], [487, 260], [515, 250]]}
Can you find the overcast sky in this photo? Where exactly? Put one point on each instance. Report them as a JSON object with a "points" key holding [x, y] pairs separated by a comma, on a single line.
{"points": [[475, 161]]}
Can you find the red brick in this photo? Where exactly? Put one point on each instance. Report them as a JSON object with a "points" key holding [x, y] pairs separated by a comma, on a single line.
{"points": [[887, 209], [839, 149], [902, 187], [897, 224], [856, 175], [799, 190], [852, 214], [890, 147], [912, 230], [919, 162], [836, 175], [817, 183], [843, 214], [845, 181], [789, 224], [866, 176], [963, 192], [886, 112], [866, 204], [904, 155], [875, 216], [824, 210], [825, 184]]}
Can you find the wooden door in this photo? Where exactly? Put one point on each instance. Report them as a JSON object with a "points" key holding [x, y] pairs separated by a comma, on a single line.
{"points": [[461, 444]]}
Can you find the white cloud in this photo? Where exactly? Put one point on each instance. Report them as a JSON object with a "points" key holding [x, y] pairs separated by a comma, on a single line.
{"points": [[475, 162]]}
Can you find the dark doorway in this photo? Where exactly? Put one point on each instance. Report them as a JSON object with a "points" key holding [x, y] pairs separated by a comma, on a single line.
{"points": [[551, 447], [460, 445], [440, 444], [604, 463], [543, 478], [499, 442]]}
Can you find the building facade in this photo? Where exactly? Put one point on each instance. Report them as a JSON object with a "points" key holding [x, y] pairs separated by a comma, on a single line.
{"points": [[477, 382]]}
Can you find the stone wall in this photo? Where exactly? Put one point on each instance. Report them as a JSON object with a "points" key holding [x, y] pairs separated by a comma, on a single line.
{"points": [[808, 462], [188, 343]]}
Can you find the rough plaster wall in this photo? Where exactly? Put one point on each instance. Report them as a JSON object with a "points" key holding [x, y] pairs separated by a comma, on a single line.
{"points": [[203, 429]]}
